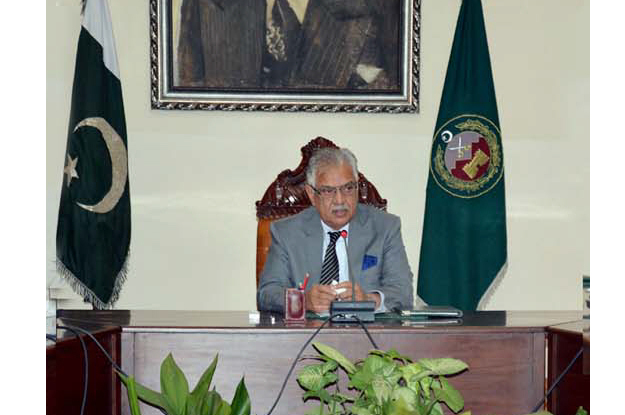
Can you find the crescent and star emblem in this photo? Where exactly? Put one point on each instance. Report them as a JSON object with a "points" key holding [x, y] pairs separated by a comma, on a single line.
{"points": [[119, 165], [466, 159], [70, 169]]}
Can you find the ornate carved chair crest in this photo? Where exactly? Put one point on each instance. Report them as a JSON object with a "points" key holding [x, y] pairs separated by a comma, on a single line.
{"points": [[286, 196]]}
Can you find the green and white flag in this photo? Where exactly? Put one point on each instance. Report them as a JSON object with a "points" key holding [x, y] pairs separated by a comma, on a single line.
{"points": [[463, 250], [93, 231]]}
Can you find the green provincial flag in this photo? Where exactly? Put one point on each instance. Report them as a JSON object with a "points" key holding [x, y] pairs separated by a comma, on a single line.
{"points": [[463, 249], [93, 231]]}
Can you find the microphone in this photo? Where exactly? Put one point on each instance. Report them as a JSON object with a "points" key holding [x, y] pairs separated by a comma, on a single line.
{"points": [[345, 311], [349, 269]]}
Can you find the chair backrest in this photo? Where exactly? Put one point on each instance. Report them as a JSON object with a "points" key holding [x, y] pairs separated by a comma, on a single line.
{"points": [[286, 196]]}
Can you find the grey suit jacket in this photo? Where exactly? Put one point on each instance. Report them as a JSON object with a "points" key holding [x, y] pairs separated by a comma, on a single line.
{"points": [[376, 254]]}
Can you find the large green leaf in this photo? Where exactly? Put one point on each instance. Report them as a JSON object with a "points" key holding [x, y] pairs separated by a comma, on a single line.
{"points": [[360, 380], [224, 409], [174, 385], [205, 380], [394, 354], [382, 388], [389, 369], [341, 397], [406, 394], [311, 394], [425, 384], [419, 376], [196, 403], [400, 407], [312, 377], [448, 394], [372, 365], [423, 406], [334, 354], [147, 395], [200, 401], [211, 402], [412, 373], [241, 404], [321, 394], [330, 378], [411, 370], [329, 366], [361, 401], [360, 410], [430, 407], [437, 409], [325, 396], [133, 400], [404, 400], [443, 366], [376, 364]]}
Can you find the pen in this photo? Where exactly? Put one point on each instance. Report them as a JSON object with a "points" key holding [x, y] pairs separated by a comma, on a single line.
{"points": [[303, 286]]}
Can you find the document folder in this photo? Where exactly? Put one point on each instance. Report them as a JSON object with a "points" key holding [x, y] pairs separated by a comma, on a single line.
{"points": [[432, 312]]}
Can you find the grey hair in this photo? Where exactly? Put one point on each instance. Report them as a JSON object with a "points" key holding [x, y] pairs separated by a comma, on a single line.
{"points": [[328, 156]]}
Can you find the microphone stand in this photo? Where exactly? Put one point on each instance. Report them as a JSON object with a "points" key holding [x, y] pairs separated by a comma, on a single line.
{"points": [[345, 311]]}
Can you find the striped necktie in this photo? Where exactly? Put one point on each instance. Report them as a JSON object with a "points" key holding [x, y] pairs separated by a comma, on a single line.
{"points": [[330, 268]]}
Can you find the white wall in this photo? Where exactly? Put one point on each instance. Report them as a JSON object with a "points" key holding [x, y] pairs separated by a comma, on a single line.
{"points": [[194, 176]]}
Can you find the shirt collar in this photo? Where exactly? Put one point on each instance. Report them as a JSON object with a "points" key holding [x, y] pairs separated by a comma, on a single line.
{"points": [[327, 229]]}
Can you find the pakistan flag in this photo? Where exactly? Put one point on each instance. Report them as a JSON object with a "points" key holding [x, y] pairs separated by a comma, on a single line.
{"points": [[93, 230], [463, 250]]}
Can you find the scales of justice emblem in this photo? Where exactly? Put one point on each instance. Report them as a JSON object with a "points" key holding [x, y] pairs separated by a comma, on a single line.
{"points": [[467, 159]]}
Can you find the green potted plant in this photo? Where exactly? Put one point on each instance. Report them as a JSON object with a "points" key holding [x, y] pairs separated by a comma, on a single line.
{"points": [[175, 398], [385, 383]]}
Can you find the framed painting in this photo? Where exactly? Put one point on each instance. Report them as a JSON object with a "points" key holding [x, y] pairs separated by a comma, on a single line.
{"points": [[285, 55]]}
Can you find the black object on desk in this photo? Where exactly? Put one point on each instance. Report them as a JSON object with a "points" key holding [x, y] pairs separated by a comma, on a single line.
{"points": [[344, 311]]}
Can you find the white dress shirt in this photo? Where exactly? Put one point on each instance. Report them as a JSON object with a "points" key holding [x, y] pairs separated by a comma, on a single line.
{"points": [[341, 253]]}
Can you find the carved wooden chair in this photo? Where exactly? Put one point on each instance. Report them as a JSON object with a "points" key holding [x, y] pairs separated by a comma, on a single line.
{"points": [[286, 196]]}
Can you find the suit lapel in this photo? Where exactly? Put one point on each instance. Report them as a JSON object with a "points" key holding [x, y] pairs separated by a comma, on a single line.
{"points": [[313, 243], [359, 236]]}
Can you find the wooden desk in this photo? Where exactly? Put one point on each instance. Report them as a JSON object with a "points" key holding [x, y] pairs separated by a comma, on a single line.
{"points": [[563, 343], [505, 352], [65, 373]]}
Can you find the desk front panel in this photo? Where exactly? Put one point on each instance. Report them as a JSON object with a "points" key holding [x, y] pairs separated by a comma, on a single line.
{"points": [[65, 377], [506, 365]]}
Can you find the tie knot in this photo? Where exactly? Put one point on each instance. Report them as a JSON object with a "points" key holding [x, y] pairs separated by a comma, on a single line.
{"points": [[334, 236]]}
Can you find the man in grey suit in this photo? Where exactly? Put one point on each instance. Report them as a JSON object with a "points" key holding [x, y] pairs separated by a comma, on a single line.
{"points": [[373, 248]]}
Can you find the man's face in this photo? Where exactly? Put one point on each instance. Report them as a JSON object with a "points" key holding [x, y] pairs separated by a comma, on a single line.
{"points": [[335, 210]]}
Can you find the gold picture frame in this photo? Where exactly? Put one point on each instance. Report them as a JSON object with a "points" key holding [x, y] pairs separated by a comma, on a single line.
{"points": [[285, 55]]}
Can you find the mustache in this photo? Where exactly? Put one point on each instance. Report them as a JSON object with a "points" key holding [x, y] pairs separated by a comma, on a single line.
{"points": [[342, 206]]}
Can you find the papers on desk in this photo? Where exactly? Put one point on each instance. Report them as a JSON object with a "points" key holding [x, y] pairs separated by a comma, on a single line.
{"points": [[427, 315], [433, 312]]}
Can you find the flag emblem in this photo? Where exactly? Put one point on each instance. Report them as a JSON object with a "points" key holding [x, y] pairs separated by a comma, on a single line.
{"points": [[466, 156], [93, 229]]}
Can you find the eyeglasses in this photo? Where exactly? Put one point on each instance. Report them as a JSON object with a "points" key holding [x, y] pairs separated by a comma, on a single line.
{"points": [[328, 192]]}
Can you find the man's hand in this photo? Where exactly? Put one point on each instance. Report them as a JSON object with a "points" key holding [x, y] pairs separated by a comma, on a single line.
{"points": [[358, 293], [319, 297]]}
